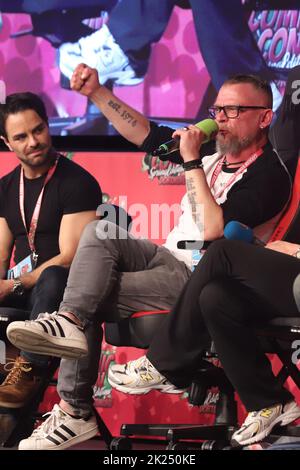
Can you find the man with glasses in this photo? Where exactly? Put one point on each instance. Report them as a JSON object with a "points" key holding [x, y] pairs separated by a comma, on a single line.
{"points": [[244, 180], [238, 182]]}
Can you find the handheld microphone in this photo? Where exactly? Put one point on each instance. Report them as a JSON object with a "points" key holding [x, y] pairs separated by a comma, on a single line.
{"points": [[2, 92], [209, 127], [236, 231]]}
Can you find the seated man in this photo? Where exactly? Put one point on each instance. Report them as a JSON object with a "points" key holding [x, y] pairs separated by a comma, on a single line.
{"points": [[45, 203], [235, 288], [113, 276]]}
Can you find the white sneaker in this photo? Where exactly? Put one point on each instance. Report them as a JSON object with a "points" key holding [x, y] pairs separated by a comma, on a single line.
{"points": [[259, 424], [100, 51], [60, 431], [139, 377], [51, 334]]}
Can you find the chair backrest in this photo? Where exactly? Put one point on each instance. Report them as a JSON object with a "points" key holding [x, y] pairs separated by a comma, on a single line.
{"points": [[284, 133], [288, 227], [296, 291]]}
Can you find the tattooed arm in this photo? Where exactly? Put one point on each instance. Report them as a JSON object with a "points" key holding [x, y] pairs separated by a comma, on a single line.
{"points": [[129, 123], [203, 205]]}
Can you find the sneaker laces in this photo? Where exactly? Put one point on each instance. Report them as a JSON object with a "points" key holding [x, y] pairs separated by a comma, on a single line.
{"points": [[138, 364], [54, 316], [103, 42], [90, 42], [101, 39], [54, 420], [249, 418], [262, 413], [15, 368], [43, 316]]}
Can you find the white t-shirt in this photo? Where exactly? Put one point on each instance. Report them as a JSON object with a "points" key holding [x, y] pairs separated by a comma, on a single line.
{"points": [[262, 184], [186, 229]]}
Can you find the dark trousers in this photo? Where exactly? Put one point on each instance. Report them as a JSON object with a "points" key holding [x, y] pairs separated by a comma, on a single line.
{"points": [[225, 40], [136, 24], [235, 288], [34, 6], [45, 296]]}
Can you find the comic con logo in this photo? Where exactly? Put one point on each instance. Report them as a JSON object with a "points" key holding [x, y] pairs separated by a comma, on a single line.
{"points": [[165, 172], [277, 36]]}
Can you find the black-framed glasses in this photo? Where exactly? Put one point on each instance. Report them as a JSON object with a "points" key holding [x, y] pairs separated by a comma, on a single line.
{"points": [[231, 111]]}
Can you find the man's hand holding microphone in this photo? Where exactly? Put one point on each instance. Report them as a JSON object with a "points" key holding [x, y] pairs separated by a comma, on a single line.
{"points": [[189, 140]]}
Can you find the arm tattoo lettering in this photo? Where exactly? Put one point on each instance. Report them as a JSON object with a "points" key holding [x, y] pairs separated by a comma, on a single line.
{"points": [[122, 112], [195, 206]]}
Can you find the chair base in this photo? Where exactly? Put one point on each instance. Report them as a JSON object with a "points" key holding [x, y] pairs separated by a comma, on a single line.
{"points": [[201, 437], [213, 437]]}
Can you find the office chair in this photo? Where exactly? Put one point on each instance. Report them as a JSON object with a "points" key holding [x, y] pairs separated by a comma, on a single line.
{"points": [[277, 338]]}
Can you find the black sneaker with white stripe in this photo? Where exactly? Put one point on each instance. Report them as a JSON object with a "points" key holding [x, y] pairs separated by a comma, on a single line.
{"points": [[52, 334], [60, 431]]}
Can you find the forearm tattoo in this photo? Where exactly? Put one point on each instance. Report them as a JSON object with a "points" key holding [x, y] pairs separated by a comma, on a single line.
{"points": [[196, 207], [124, 114]]}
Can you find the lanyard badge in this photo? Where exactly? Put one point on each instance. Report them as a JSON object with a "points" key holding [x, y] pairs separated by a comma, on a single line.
{"points": [[36, 212]]}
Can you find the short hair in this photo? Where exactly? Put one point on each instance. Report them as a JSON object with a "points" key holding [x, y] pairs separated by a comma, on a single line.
{"points": [[256, 81], [17, 102]]}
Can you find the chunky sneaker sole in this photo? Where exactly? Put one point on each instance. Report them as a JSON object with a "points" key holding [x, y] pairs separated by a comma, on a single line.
{"points": [[28, 336], [23, 445], [164, 388], [118, 372], [283, 419]]}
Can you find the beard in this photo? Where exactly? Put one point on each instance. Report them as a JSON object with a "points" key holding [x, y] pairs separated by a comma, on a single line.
{"points": [[233, 145], [46, 157]]}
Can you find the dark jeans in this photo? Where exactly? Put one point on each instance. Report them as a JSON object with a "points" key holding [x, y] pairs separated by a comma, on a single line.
{"points": [[45, 296], [234, 288]]}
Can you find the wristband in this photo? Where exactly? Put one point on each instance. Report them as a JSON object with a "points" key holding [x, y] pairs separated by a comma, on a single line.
{"points": [[192, 164]]}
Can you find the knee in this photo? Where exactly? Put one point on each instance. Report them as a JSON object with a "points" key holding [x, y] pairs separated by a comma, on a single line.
{"points": [[98, 231], [220, 303], [210, 296], [211, 301], [52, 280]]}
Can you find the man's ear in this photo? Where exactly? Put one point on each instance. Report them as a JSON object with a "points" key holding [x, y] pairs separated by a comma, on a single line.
{"points": [[266, 119], [6, 142]]}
